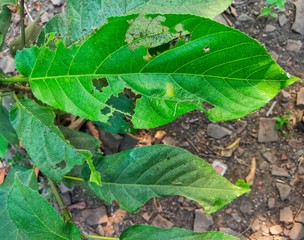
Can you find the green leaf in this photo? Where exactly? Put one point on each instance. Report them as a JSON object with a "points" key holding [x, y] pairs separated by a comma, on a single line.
{"points": [[44, 142], [5, 21], [133, 177], [209, 63], [8, 230], [81, 18], [35, 217], [3, 147], [266, 11], [80, 140], [139, 232], [6, 128], [8, 2], [95, 176]]}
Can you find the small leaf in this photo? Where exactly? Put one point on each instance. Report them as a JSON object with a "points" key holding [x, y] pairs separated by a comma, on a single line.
{"points": [[266, 11], [35, 217], [95, 176], [139, 232], [5, 21], [44, 142], [6, 128], [80, 16], [8, 230], [134, 177], [80, 140], [209, 63]]}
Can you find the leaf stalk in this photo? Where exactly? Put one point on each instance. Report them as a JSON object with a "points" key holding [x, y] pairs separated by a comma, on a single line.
{"points": [[99, 237], [65, 211], [22, 27]]}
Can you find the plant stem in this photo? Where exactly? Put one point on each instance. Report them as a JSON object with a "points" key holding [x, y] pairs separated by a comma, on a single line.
{"points": [[73, 178], [99, 237], [22, 28], [6, 94], [65, 211], [13, 80]]}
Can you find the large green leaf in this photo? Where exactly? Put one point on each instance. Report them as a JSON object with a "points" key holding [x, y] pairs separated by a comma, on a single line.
{"points": [[8, 229], [135, 176], [35, 217], [139, 232], [44, 142], [5, 20], [6, 128], [206, 63], [3, 147], [82, 16]]}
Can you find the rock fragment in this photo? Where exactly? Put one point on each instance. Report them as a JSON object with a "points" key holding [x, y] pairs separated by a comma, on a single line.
{"points": [[160, 221], [95, 216], [267, 132], [298, 25], [284, 190], [283, 20], [271, 203], [270, 28], [297, 232], [280, 172], [244, 18], [276, 229], [286, 215], [300, 217], [202, 221], [217, 132], [300, 98], [293, 45]]}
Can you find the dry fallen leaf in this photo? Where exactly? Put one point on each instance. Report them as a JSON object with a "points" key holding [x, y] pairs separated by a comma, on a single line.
{"points": [[228, 151], [159, 135], [250, 177]]}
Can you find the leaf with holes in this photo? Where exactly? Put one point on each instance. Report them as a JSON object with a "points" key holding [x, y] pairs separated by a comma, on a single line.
{"points": [[44, 142], [39, 221], [81, 18], [8, 229], [205, 62], [139, 232], [133, 177]]}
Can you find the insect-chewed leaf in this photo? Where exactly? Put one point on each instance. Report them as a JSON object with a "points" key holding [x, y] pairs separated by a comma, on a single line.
{"points": [[80, 16], [133, 177], [44, 142], [175, 63], [139, 232]]}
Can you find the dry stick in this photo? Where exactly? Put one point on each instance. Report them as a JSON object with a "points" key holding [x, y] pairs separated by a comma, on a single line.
{"points": [[22, 28], [63, 208]]}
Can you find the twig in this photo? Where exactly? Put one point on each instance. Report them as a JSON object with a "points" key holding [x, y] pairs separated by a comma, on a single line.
{"points": [[22, 88], [63, 208], [28, 13], [271, 108], [22, 28], [77, 124]]}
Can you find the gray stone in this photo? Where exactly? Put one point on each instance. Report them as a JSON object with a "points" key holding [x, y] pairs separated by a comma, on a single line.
{"points": [[286, 215], [217, 132], [276, 229], [44, 17], [300, 98], [264, 166], [284, 190], [267, 132], [298, 25], [269, 157], [270, 28], [7, 64], [244, 18], [293, 45], [236, 217], [286, 96], [247, 207], [160, 221], [169, 141], [95, 216], [66, 198], [283, 20], [57, 2], [297, 232], [271, 203], [220, 19], [300, 217], [202, 221], [280, 172]]}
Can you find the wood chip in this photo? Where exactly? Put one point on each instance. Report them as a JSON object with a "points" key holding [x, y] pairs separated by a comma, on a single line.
{"points": [[93, 130], [250, 177], [233, 11]]}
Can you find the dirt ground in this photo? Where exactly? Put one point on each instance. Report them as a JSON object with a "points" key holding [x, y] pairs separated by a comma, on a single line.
{"points": [[274, 210]]}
